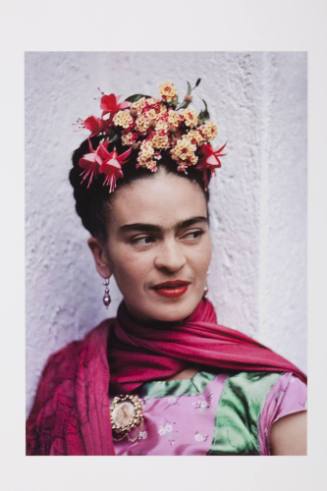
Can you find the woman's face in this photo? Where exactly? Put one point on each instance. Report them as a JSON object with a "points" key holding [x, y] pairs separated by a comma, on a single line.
{"points": [[158, 246]]}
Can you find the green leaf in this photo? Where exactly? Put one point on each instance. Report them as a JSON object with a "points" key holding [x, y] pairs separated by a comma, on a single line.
{"points": [[189, 88], [204, 114], [183, 105], [197, 83], [136, 97], [205, 105], [111, 132], [113, 139]]}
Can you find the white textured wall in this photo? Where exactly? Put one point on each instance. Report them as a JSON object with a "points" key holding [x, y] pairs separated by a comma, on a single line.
{"points": [[258, 199]]}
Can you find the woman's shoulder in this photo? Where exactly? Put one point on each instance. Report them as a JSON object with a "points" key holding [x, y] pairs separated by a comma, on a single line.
{"points": [[67, 358], [62, 366], [255, 380], [264, 396], [249, 405], [256, 387], [64, 381]]}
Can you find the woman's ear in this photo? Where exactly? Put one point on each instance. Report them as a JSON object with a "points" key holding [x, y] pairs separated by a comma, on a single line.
{"points": [[100, 257]]}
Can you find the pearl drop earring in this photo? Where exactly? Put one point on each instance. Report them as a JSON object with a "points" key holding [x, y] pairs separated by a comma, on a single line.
{"points": [[106, 297]]}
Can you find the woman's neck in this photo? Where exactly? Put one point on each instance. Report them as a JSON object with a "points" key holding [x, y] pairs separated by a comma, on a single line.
{"points": [[187, 373]]}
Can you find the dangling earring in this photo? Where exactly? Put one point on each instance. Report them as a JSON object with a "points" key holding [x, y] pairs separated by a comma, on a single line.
{"points": [[106, 297]]}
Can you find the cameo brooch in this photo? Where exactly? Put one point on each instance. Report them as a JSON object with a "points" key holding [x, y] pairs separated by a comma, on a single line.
{"points": [[126, 414]]}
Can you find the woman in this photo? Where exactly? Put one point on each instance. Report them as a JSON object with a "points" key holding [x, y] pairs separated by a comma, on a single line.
{"points": [[163, 378]]}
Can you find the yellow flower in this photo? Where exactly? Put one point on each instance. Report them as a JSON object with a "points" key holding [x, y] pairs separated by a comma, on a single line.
{"points": [[174, 119], [142, 123], [167, 91], [160, 141], [151, 115], [163, 110], [195, 137], [123, 119], [208, 130], [194, 159], [128, 138], [146, 151], [183, 165], [183, 150], [145, 157], [190, 118], [138, 106], [161, 125], [151, 165]]}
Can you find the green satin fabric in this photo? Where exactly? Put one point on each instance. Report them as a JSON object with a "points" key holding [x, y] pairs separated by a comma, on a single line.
{"points": [[177, 388], [236, 425]]}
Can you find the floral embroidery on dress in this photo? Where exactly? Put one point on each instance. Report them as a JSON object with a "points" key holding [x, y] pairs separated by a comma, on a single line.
{"points": [[142, 435], [164, 429], [200, 404], [200, 437]]}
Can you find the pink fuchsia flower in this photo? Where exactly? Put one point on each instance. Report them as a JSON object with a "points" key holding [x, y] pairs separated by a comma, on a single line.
{"points": [[109, 104], [92, 161], [111, 167], [210, 157], [94, 125], [210, 160]]}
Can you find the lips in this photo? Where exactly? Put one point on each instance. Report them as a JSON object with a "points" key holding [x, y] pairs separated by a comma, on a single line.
{"points": [[171, 284], [172, 289]]}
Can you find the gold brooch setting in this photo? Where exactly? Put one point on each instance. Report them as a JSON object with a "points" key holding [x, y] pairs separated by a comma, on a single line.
{"points": [[126, 414]]}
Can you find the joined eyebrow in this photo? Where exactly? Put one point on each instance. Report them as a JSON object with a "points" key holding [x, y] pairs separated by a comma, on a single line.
{"points": [[147, 227]]}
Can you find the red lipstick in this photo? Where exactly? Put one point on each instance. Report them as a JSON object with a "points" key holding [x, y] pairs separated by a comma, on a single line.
{"points": [[172, 289]]}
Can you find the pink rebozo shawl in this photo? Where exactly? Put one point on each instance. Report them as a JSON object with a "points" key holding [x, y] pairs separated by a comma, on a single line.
{"points": [[70, 415], [141, 352]]}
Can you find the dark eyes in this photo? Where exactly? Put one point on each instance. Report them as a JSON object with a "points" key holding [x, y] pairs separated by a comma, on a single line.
{"points": [[190, 236], [194, 234], [147, 239]]}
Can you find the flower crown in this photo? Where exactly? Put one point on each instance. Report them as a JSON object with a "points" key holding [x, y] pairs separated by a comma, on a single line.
{"points": [[149, 127]]}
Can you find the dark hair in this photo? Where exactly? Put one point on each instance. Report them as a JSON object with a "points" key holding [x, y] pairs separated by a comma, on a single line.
{"points": [[90, 204]]}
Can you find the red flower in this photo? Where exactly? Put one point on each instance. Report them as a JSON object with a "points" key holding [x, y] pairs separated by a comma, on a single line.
{"points": [[94, 125], [111, 167], [92, 161], [210, 160], [109, 104]]}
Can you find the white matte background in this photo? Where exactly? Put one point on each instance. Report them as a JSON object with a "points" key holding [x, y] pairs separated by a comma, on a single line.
{"points": [[257, 279]]}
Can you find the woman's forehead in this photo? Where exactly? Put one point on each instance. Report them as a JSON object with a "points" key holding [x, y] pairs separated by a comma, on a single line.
{"points": [[162, 199]]}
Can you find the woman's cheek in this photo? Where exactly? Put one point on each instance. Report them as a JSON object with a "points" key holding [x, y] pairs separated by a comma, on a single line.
{"points": [[202, 257], [132, 265]]}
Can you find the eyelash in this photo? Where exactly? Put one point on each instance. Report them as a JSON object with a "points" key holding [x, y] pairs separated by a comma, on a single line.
{"points": [[137, 240]]}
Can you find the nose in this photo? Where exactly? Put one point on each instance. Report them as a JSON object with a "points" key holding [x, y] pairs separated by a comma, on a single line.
{"points": [[170, 257]]}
